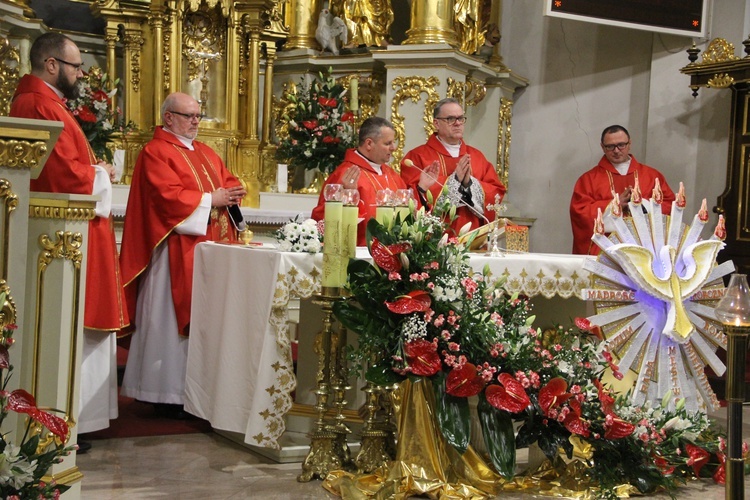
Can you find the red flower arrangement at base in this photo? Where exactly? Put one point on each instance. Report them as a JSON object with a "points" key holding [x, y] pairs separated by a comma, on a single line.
{"points": [[420, 311]]}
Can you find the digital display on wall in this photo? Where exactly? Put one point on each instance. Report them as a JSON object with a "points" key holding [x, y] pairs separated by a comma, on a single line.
{"points": [[680, 17]]}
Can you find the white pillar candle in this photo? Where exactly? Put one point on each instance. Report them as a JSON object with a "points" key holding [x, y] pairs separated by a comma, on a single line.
{"points": [[282, 177]]}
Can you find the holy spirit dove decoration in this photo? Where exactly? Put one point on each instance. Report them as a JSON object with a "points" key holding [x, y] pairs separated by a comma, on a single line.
{"points": [[655, 287]]}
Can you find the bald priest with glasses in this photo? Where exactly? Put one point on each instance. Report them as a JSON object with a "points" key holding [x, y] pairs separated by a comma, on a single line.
{"points": [[471, 180], [616, 171]]}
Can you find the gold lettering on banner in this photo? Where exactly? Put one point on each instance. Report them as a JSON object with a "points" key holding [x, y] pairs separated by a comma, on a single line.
{"points": [[647, 376], [611, 295], [619, 340], [709, 294], [66, 246], [696, 363], [411, 88]]}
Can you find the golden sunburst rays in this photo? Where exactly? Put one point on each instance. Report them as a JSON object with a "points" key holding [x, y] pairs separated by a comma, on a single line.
{"points": [[655, 286]]}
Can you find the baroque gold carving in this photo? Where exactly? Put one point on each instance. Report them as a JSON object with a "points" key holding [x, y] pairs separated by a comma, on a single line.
{"points": [[9, 62], [719, 50], [8, 311], [66, 213], [66, 246], [503, 139], [475, 92], [203, 40], [9, 201], [194, 5], [412, 87], [468, 24], [133, 42], [21, 154], [369, 22], [720, 81], [456, 90]]}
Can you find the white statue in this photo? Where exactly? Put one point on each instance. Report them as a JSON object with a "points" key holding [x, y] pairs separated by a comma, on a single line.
{"points": [[330, 28]]}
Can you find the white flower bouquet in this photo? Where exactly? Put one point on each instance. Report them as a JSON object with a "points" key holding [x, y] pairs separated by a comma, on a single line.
{"points": [[296, 236]]}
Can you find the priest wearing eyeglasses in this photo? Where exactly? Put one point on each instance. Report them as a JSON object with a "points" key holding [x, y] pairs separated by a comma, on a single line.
{"points": [[180, 195], [617, 171], [472, 181]]}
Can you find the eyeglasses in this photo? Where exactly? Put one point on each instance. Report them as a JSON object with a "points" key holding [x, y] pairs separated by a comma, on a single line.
{"points": [[196, 116], [611, 147], [77, 67], [450, 120]]}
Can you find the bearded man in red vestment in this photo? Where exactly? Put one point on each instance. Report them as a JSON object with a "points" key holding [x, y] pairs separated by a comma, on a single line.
{"points": [[73, 168], [617, 171], [179, 197], [366, 169], [470, 178]]}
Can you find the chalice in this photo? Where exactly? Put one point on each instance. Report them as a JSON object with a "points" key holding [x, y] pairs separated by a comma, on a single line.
{"points": [[246, 236]]}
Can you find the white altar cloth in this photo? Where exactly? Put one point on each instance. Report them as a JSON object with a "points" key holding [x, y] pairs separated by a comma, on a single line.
{"points": [[239, 373]]}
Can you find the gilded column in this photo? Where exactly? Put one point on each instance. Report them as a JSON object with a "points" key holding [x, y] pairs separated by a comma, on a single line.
{"points": [[156, 21], [432, 22], [110, 38], [268, 93], [302, 19], [252, 103]]}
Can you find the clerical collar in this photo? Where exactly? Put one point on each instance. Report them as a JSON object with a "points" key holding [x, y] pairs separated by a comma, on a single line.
{"points": [[622, 168], [374, 165], [188, 142], [453, 149], [55, 90]]}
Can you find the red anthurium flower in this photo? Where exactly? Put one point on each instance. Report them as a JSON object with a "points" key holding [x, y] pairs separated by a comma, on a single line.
{"points": [[310, 124], [331, 140], [510, 396], [720, 476], [553, 394], [464, 381], [386, 256], [698, 457], [618, 429], [663, 465], [330, 102], [4, 358], [21, 401], [347, 116], [99, 95], [414, 301], [573, 421], [423, 357]]}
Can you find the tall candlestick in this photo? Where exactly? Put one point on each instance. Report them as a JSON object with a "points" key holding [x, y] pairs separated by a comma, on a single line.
{"points": [[354, 93], [332, 243]]}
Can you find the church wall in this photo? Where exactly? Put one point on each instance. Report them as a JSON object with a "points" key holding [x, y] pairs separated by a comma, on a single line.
{"points": [[585, 76]]}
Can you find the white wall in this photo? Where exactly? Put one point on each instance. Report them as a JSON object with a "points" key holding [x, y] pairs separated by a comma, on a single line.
{"points": [[584, 77]]}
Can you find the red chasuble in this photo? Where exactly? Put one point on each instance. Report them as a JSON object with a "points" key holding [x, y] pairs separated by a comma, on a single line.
{"points": [[69, 170], [593, 191], [481, 169], [168, 183], [370, 182]]}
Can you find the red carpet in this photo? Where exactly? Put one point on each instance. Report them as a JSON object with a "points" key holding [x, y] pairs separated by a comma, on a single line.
{"points": [[138, 419]]}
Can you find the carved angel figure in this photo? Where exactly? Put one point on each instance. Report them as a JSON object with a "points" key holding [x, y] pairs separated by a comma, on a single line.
{"points": [[369, 21], [329, 29]]}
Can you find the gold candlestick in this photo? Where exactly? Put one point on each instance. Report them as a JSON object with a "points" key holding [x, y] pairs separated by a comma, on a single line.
{"points": [[734, 311]]}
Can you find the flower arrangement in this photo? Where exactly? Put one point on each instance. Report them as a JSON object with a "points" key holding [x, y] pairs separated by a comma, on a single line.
{"points": [[420, 311], [320, 128], [23, 465], [93, 111], [296, 236]]}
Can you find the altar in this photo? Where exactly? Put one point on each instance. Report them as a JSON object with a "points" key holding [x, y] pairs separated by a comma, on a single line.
{"points": [[240, 374]]}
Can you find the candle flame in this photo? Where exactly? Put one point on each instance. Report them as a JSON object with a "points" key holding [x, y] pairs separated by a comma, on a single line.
{"points": [[599, 223], [657, 196], [681, 200], [721, 231], [616, 209], [635, 193]]}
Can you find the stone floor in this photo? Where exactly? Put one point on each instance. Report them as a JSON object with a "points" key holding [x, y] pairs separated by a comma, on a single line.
{"points": [[209, 466]]}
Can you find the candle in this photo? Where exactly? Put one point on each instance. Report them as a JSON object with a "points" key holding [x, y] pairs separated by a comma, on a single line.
{"points": [[384, 215], [354, 93], [282, 177], [332, 244], [349, 218]]}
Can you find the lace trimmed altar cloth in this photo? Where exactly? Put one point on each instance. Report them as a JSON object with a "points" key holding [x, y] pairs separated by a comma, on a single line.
{"points": [[240, 375]]}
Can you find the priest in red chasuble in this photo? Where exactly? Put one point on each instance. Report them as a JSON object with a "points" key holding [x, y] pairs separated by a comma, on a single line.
{"points": [[178, 198], [73, 168], [471, 180], [366, 169], [617, 172]]}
